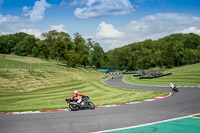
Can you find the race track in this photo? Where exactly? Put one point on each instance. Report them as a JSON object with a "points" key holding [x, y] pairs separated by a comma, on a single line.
{"points": [[183, 103]]}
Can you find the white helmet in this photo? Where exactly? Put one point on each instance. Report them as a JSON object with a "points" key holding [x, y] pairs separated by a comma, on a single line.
{"points": [[75, 91], [170, 83]]}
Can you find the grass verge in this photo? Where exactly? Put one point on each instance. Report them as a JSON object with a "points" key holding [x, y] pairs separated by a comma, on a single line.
{"points": [[197, 116], [182, 76], [32, 89]]}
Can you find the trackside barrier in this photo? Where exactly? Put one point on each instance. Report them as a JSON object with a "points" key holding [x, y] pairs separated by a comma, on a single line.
{"points": [[155, 76]]}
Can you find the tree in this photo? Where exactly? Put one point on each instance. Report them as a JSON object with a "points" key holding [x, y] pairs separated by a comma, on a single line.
{"points": [[81, 48], [56, 43], [35, 52], [43, 49], [25, 46], [50, 39], [59, 48], [112, 60], [8, 42], [177, 52], [134, 59], [96, 55], [72, 58], [172, 50], [3, 42]]}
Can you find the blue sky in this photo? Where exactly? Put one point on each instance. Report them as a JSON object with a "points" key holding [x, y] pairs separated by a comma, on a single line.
{"points": [[112, 23]]}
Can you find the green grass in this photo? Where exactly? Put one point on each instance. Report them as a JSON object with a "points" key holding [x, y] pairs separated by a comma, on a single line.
{"points": [[188, 75], [23, 62], [197, 116], [40, 88]]}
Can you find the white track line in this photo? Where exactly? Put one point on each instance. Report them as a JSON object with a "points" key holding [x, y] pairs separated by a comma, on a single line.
{"points": [[146, 124]]}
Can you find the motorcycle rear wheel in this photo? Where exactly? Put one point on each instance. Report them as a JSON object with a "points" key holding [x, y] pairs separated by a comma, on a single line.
{"points": [[73, 107], [176, 89]]}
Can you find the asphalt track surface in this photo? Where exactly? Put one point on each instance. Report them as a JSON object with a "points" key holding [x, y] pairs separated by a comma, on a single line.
{"points": [[183, 103]]}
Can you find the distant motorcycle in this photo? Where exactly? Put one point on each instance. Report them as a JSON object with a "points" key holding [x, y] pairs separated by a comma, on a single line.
{"points": [[175, 89], [85, 103]]}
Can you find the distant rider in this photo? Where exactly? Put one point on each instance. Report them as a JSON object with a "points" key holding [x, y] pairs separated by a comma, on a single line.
{"points": [[172, 86], [75, 96]]}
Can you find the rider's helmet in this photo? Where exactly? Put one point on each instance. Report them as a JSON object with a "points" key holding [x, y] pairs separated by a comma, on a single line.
{"points": [[75, 91], [170, 83]]}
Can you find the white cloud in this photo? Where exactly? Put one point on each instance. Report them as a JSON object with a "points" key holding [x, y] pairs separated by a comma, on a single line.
{"points": [[36, 32], [149, 27], [58, 28], [11, 24], [78, 2], [192, 30], [38, 10], [8, 18], [159, 25], [97, 8], [114, 43], [108, 31], [26, 11]]}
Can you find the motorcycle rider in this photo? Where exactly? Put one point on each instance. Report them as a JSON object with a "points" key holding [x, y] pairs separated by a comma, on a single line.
{"points": [[172, 86], [75, 96]]}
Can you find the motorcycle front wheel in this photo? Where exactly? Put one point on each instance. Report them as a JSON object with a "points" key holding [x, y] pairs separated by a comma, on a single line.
{"points": [[73, 107], [92, 106]]}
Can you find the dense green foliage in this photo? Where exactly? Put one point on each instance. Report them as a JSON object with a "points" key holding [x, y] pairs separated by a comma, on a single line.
{"points": [[58, 46], [173, 50]]}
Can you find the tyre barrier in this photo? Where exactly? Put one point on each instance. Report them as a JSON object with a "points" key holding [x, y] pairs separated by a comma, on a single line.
{"points": [[114, 73], [155, 76]]}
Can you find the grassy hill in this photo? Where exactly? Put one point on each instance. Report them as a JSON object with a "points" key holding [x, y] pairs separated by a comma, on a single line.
{"points": [[188, 75], [33, 84]]}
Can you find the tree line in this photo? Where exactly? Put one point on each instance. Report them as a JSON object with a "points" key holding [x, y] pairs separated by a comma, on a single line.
{"points": [[172, 50], [55, 45]]}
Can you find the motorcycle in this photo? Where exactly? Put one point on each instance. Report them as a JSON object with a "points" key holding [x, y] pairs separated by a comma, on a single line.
{"points": [[85, 103], [175, 88]]}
